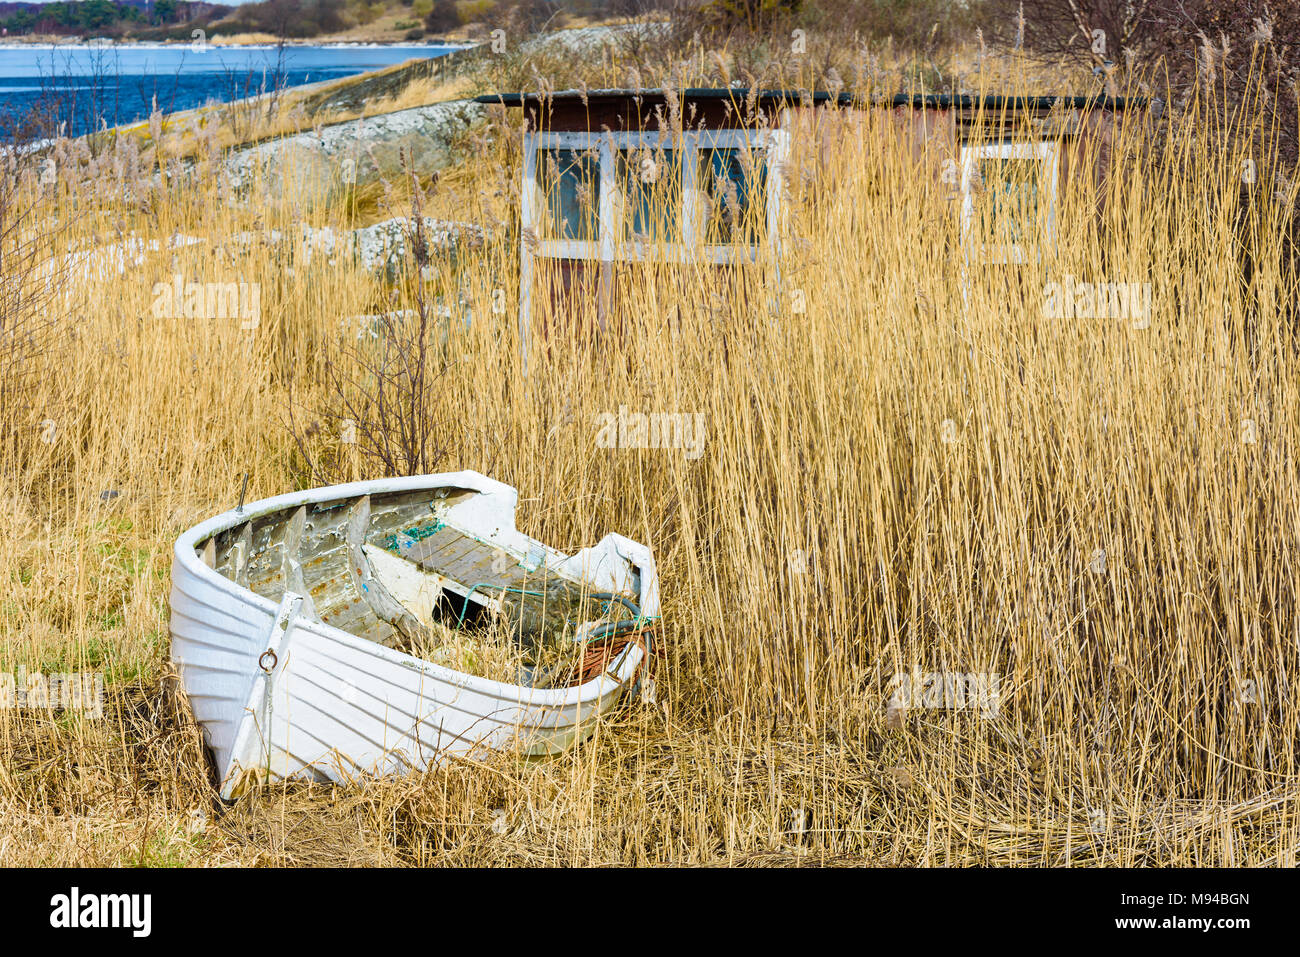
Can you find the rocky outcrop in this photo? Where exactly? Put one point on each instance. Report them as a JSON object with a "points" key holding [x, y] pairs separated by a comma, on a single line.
{"points": [[320, 165]]}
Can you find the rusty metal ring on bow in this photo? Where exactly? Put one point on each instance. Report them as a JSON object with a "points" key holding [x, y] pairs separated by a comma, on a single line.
{"points": [[261, 662]]}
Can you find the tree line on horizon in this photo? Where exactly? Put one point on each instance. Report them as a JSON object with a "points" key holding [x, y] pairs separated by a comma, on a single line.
{"points": [[107, 18]]}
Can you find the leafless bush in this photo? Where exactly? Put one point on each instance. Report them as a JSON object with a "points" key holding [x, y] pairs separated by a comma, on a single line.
{"points": [[382, 386], [526, 16], [1240, 56], [915, 24], [1087, 31], [29, 313]]}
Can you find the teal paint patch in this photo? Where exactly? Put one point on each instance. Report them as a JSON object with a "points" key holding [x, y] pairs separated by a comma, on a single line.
{"points": [[410, 536]]}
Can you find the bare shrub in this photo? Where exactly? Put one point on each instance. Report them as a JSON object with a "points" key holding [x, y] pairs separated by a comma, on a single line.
{"points": [[30, 277], [382, 386]]}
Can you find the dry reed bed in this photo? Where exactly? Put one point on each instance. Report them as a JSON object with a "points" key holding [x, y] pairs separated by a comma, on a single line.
{"points": [[1145, 714]]}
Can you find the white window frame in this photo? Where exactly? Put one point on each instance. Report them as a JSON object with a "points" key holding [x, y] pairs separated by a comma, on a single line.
{"points": [[616, 248], [776, 144], [534, 143], [1047, 153], [610, 246]]}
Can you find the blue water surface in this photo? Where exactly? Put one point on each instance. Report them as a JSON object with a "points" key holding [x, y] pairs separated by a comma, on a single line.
{"points": [[78, 88]]}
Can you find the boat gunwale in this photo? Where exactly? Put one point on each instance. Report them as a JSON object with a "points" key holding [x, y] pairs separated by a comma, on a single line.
{"points": [[617, 676]]}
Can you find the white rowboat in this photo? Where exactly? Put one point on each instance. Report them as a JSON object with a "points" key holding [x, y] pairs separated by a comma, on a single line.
{"points": [[281, 611]]}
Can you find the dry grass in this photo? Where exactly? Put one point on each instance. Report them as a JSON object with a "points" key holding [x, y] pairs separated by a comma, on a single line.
{"points": [[1146, 714]]}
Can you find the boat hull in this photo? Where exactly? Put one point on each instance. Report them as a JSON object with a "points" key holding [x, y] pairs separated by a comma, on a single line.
{"points": [[281, 695]]}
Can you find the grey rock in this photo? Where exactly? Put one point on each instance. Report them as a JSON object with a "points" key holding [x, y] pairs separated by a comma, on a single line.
{"points": [[317, 166]]}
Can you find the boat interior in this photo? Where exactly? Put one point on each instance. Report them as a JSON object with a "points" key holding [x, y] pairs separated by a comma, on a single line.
{"points": [[388, 568]]}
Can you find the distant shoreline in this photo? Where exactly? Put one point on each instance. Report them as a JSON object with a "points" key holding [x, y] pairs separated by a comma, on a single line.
{"points": [[46, 42], [77, 88]]}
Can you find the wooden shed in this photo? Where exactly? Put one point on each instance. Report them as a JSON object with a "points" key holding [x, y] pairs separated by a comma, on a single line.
{"points": [[696, 175]]}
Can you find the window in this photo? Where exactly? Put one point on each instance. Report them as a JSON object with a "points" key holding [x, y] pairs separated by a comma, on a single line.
{"points": [[650, 189], [1008, 200], [570, 183], [734, 182], [637, 196]]}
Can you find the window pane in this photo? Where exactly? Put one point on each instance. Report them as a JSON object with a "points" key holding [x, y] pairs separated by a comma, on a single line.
{"points": [[651, 184], [570, 183], [1007, 206], [735, 184]]}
